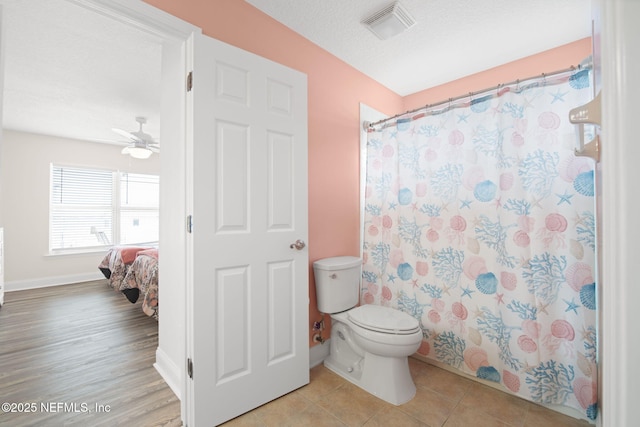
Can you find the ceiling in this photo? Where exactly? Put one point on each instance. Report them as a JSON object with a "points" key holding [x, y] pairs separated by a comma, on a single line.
{"points": [[74, 73], [451, 39]]}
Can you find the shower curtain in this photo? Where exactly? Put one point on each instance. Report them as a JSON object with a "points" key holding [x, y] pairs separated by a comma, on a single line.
{"points": [[480, 223]]}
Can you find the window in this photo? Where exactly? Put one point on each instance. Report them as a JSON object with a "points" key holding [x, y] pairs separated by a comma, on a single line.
{"points": [[93, 208], [139, 201]]}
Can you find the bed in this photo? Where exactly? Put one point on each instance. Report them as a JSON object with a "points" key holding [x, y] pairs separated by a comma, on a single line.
{"points": [[134, 272]]}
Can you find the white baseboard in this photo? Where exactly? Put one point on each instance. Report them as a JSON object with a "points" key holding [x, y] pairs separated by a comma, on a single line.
{"points": [[21, 285], [318, 353], [168, 371]]}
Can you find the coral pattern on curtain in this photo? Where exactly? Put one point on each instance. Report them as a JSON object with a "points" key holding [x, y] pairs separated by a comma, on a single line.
{"points": [[480, 222]]}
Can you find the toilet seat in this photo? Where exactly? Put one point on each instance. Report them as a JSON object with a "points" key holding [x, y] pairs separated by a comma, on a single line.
{"points": [[383, 320]]}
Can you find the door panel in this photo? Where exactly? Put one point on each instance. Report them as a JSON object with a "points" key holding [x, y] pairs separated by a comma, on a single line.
{"points": [[232, 323], [281, 307], [249, 291], [281, 169], [232, 190]]}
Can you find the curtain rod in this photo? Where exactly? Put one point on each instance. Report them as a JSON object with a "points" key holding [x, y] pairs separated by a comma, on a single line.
{"points": [[581, 66]]}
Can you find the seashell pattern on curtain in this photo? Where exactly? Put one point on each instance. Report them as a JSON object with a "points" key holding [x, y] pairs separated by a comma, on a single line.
{"points": [[480, 223]]}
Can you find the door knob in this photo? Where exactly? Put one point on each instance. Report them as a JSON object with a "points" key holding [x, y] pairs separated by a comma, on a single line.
{"points": [[299, 245]]}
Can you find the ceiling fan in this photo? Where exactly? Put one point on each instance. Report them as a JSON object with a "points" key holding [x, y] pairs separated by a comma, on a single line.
{"points": [[142, 144]]}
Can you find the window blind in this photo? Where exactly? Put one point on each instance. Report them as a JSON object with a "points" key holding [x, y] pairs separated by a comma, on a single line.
{"points": [[139, 203], [81, 208], [94, 208]]}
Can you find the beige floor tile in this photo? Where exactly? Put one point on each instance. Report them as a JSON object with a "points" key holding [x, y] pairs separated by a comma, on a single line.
{"points": [[466, 416], [313, 416], [503, 406], [417, 366], [538, 416], [429, 407], [277, 412], [322, 381], [393, 417], [352, 405], [250, 419], [448, 384], [331, 401]]}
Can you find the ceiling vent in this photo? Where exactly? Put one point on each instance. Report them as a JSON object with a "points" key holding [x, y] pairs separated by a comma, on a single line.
{"points": [[390, 21]]}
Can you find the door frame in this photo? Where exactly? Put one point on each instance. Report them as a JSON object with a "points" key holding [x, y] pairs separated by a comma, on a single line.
{"points": [[175, 118], [620, 234], [2, 49]]}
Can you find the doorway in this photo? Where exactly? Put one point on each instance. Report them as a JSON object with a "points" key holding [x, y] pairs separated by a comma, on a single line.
{"points": [[172, 32]]}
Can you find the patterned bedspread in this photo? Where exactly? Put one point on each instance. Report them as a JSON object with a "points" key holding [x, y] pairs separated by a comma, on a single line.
{"points": [[116, 263], [134, 272], [143, 275]]}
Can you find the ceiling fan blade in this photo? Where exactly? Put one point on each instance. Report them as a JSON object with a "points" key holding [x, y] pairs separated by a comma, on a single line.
{"points": [[154, 149], [126, 134]]}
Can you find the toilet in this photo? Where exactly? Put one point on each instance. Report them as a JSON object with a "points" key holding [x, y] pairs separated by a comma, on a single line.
{"points": [[369, 344]]}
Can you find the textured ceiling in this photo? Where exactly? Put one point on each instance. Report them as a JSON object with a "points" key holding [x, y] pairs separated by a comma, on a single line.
{"points": [[74, 73], [452, 38]]}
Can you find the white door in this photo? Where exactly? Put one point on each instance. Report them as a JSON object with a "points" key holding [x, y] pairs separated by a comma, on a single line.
{"points": [[2, 47], [248, 338]]}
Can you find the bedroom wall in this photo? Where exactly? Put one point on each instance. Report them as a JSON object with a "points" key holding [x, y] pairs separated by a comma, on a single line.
{"points": [[24, 171]]}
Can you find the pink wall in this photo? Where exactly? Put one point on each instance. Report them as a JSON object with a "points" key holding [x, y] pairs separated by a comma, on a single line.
{"points": [[335, 91], [551, 60]]}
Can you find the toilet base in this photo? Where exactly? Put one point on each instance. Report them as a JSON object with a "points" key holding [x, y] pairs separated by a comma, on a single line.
{"points": [[387, 378]]}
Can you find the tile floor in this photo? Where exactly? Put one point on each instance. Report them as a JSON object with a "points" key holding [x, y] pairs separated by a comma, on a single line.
{"points": [[442, 399]]}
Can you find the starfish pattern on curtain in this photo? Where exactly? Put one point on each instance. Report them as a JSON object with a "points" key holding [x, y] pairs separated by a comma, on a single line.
{"points": [[480, 222]]}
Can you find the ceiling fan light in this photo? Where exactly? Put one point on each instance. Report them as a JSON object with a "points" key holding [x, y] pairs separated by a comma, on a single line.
{"points": [[142, 145], [137, 152]]}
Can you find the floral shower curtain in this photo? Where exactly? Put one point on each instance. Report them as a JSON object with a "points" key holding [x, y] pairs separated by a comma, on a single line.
{"points": [[479, 222]]}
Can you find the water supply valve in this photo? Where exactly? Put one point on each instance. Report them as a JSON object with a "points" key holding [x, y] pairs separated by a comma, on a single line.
{"points": [[318, 327]]}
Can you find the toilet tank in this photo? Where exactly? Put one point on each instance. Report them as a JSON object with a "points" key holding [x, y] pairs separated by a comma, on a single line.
{"points": [[337, 283]]}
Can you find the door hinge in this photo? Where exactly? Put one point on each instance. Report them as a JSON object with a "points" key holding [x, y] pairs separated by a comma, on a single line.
{"points": [[189, 223], [190, 368], [189, 81]]}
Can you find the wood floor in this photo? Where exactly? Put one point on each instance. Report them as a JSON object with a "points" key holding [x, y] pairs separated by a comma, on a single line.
{"points": [[83, 355]]}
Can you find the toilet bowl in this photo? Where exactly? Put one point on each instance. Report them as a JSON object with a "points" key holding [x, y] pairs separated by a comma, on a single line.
{"points": [[374, 360], [369, 344]]}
